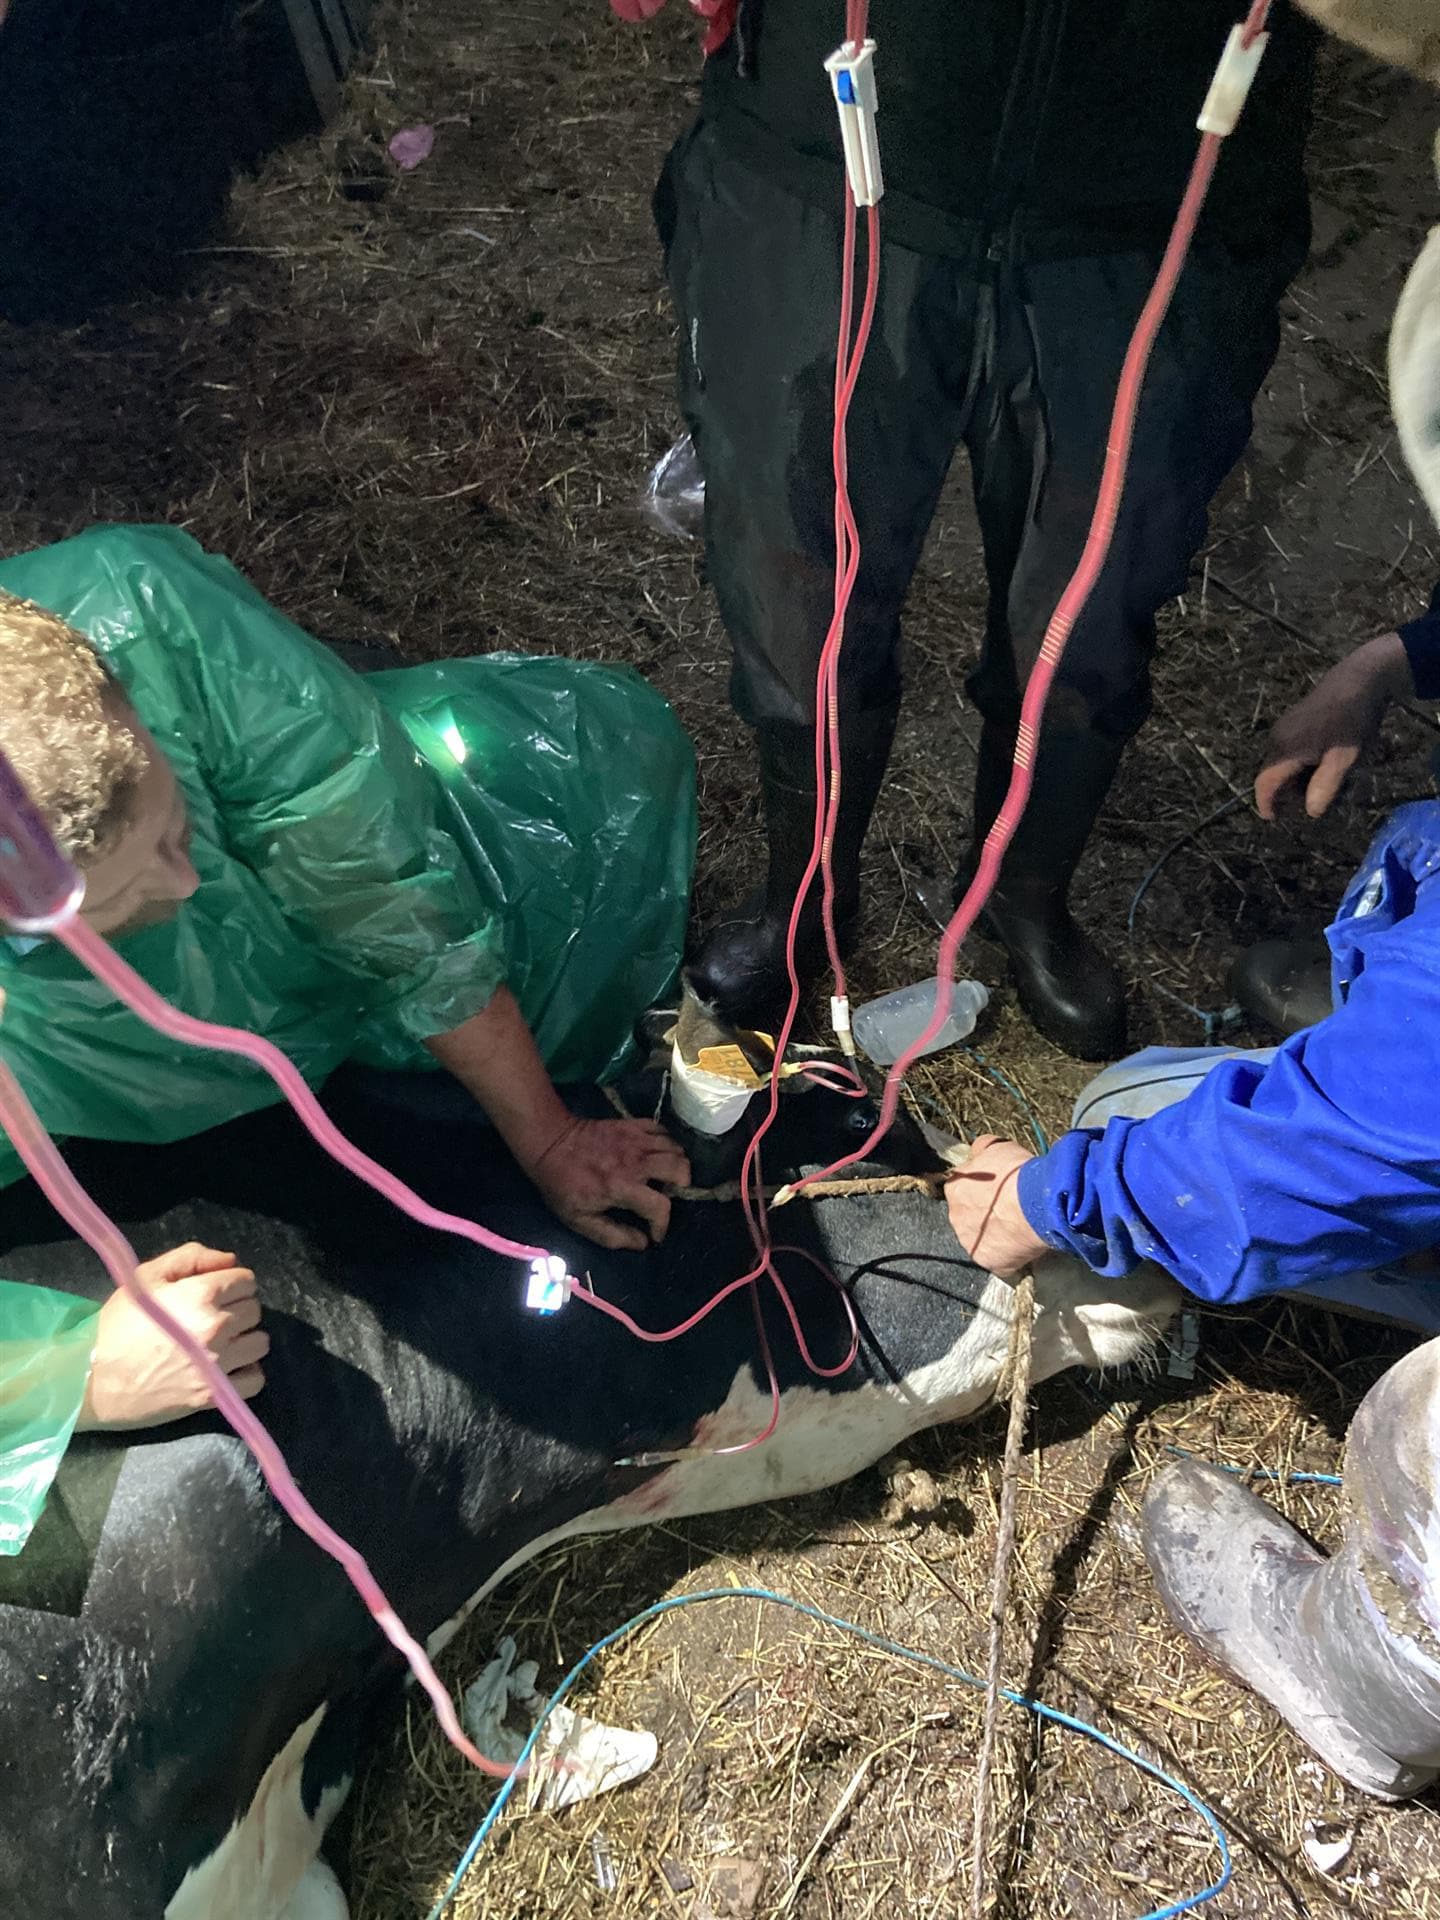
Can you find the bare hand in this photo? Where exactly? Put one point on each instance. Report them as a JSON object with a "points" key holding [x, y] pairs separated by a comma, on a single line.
{"points": [[1323, 735], [595, 1165], [985, 1209], [139, 1377]]}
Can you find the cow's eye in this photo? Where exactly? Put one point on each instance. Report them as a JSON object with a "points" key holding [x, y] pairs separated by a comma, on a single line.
{"points": [[861, 1120]]}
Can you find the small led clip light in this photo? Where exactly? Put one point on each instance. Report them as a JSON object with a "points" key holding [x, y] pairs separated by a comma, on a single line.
{"points": [[548, 1287], [852, 76]]}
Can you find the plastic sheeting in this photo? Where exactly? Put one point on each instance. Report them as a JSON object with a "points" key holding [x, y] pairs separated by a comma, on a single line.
{"points": [[356, 897], [570, 789], [46, 1343], [674, 496]]}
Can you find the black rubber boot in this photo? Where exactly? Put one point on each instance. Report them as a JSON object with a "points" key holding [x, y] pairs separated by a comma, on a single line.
{"points": [[1069, 988], [1345, 1649], [740, 971], [1284, 985]]}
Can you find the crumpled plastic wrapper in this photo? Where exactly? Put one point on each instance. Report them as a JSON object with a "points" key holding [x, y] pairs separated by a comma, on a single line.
{"points": [[594, 1759], [674, 496]]}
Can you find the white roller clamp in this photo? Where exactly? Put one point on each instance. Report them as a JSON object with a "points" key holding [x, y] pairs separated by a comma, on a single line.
{"points": [[1231, 86], [852, 78], [840, 1024]]}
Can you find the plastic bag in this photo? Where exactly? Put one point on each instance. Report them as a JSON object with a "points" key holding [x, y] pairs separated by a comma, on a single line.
{"points": [[575, 1758], [674, 496], [356, 898], [1147, 1082], [47, 1341]]}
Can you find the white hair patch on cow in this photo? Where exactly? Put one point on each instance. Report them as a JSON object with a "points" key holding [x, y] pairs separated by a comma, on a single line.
{"points": [[259, 1868], [825, 1437], [318, 1896]]}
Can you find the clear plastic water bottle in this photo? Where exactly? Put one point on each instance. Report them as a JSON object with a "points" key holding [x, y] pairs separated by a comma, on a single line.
{"points": [[891, 1025]]}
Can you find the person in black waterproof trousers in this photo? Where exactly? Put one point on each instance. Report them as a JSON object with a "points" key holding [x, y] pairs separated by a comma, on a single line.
{"points": [[1035, 153]]}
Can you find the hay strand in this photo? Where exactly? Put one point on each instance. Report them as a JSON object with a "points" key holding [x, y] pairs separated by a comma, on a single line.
{"points": [[1017, 1383]]}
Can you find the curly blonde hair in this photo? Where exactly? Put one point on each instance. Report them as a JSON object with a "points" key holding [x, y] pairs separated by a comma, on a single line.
{"points": [[67, 729]]}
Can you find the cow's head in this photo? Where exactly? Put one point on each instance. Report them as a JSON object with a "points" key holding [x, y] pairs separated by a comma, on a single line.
{"points": [[918, 1293], [815, 1124]]}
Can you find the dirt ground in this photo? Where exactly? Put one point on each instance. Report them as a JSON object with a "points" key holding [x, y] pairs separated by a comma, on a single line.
{"points": [[420, 408]]}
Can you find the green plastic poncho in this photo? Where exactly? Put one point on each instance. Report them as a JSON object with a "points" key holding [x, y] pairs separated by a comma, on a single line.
{"points": [[376, 855], [47, 1340]]}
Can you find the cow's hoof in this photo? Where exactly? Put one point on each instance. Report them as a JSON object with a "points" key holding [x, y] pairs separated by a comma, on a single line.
{"points": [[318, 1896]]}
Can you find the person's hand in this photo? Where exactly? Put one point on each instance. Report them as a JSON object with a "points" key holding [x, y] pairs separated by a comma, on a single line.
{"points": [[139, 1377], [1322, 736], [985, 1210], [594, 1165]]}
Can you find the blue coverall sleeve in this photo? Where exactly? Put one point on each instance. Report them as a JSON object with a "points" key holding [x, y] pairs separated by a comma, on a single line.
{"points": [[1324, 1162]]}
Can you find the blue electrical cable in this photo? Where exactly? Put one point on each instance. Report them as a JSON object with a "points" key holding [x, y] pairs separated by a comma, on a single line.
{"points": [[1190, 833], [1215, 1023], [892, 1647], [1003, 1080], [1278, 1474]]}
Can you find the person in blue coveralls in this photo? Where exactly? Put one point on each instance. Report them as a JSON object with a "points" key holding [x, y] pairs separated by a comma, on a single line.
{"points": [[1312, 1167]]}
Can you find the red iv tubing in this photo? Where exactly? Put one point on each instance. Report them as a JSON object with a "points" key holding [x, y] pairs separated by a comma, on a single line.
{"points": [[39, 892], [1042, 676], [827, 724]]}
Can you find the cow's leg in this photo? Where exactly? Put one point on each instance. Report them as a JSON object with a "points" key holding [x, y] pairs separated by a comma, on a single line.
{"points": [[827, 1434], [263, 1861], [1085, 1321]]}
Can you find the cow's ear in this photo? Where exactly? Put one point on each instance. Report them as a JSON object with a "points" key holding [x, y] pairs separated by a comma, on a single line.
{"points": [[1402, 33], [1415, 371]]}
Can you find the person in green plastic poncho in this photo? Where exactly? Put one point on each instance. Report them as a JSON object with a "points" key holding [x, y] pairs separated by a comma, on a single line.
{"points": [[483, 866]]}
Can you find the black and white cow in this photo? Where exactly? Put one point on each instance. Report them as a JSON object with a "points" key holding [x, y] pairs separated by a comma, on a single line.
{"points": [[186, 1684]]}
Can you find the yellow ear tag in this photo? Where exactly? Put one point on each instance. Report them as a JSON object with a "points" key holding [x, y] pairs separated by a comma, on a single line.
{"points": [[728, 1063]]}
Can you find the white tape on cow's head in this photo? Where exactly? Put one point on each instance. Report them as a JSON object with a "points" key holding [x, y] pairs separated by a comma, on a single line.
{"points": [[706, 1101], [1415, 372]]}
